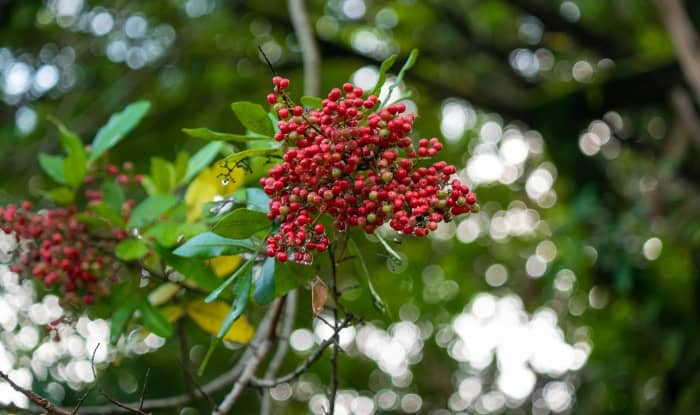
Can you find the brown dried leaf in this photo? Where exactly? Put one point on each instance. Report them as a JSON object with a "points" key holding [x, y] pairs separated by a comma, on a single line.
{"points": [[319, 295]]}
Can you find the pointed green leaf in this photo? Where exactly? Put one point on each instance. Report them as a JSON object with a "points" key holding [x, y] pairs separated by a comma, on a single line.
{"points": [[120, 319], [359, 262], [74, 168], [119, 124], [162, 174], [193, 270], [62, 195], [109, 214], [151, 209], [181, 162], [242, 291], [395, 256], [201, 159], [255, 198], [383, 69], [113, 195], [209, 245], [131, 249], [240, 271], [265, 283], [154, 320], [311, 102], [209, 135], [70, 141], [241, 223], [53, 166], [250, 153], [410, 61], [165, 233], [253, 117]]}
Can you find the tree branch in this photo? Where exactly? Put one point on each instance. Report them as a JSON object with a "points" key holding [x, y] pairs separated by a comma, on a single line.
{"points": [[685, 39], [282, 347], [309, 48], [37, 399], [683, 105], [251, 364]]}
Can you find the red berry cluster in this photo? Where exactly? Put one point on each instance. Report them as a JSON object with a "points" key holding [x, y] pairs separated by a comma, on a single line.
{"points": [[55, 247], [123, 177], [356, 162]]}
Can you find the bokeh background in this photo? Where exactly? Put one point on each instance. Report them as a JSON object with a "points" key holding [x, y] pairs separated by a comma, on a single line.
{"points": [[574, 290]]}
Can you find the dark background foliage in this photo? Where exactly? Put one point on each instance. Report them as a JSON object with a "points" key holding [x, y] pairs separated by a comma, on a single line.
{"points": [[546, 68]]}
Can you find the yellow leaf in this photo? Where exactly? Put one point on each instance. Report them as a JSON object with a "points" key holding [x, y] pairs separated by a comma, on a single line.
{"points": [[205, 187], [172, 312], [224, 266], [210, 317]]}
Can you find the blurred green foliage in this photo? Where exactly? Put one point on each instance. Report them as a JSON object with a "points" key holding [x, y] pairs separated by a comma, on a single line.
{"points": [[593, 60]]}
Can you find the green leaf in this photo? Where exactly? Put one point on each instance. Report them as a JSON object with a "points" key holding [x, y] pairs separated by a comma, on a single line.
{"points": [[131, 249], [154, 320], [70, 141], [242, 291], [151, 209], [359, 262], [255, 198], [241, 223], [74, 168], [162, 174], [209, 135], [253, 117], [410, 61], [149, 186], [209, 245], [108, 214], [62, 195], [117, 127], [166, 233], [265, 283], [53, 166], [220, 289], [393, 255], [383, 69], [250, 153], [181, 162], [202, 159], [311, 102], [113, 195], [194, 270], [120, 319]]}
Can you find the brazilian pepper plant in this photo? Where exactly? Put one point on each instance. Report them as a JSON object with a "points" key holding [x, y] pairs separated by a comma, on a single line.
{"points": [[187, 240]]}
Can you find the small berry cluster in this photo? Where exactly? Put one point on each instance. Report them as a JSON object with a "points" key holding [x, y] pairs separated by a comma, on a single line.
{"points": [[123, 177], [356, 162], [55, 247]]}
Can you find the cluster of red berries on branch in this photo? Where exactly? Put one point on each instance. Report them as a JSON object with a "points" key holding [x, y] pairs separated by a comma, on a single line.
{"points": [[355, 161], [56, 248]]}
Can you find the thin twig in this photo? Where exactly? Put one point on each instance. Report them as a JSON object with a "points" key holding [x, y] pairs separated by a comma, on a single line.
{"points": [[304, 366], [143, 390], [683, 105]]}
